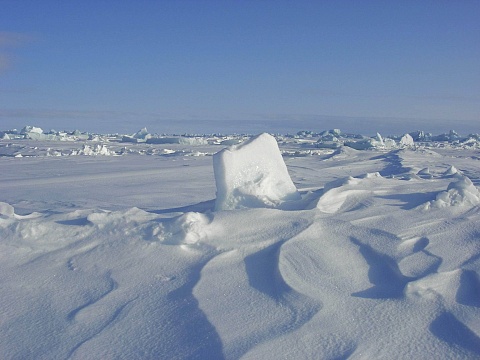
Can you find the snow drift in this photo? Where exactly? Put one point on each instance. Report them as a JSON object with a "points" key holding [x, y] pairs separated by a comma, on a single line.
{"points": [[460, 192]]}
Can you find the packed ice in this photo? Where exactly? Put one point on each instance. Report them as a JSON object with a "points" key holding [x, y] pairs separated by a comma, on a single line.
{"points": [[252, 174]]}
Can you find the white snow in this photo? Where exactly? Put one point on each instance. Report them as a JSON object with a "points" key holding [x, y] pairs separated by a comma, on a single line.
{"points": [[323, 254], [177, 140], [6, 210], [460, 192], [425, 173], [142, 134], [377, 142], [252, 174], [452, 170], [31, 129], [406, 140]]}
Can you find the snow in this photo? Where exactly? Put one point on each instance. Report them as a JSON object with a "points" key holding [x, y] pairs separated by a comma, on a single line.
{"points": [[6, 210], [130, 254], [460, 192], [452, 170], [31, 129], [407, 140], [177, 140], [252, 174], [377, 142]]}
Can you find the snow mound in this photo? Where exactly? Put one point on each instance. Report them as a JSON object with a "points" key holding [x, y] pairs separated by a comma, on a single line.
{"points": [[117, 220], [451, 171], [252, 175], [371, 175], [336, 193], [187, 229], [94, 150], [6, 210], [406, 140], [459, 193]]}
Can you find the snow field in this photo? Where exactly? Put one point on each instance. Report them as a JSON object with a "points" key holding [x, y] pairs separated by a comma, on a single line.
{"points": [[365, 265]]}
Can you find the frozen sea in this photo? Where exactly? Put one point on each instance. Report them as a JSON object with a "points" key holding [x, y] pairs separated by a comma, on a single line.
{"points": [[116, 247]]}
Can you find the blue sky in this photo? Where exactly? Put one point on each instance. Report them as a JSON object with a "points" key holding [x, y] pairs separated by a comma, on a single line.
{"points": [[189, 66]]}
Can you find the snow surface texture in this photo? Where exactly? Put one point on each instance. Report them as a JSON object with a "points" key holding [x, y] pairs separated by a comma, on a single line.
{"points": [[124, 257], [251, 175]]}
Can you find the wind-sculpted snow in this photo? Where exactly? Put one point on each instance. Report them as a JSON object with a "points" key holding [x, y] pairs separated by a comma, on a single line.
{"points": [[93, 274], [247, 273], [126, 257], [459, 192]]}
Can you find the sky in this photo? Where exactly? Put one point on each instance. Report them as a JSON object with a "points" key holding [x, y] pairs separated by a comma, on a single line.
{"points": [[240, 66]]}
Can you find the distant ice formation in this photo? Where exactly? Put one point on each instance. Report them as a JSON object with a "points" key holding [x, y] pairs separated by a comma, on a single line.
{"points": [[32, 141], [183, 140], [252, 175], [406, 140]]}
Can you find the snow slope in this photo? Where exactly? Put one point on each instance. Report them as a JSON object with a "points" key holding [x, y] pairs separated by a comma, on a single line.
{"points": [[125, 257]]}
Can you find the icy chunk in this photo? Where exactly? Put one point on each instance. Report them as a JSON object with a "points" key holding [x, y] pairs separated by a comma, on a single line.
{"points": [[407, 140], [420, 136], [178, 140], [329, 140], [452, 170], [31, 129], [377, 142], [95, 150], [142, 134], [451, 136], [363, 144], [251, 175]]}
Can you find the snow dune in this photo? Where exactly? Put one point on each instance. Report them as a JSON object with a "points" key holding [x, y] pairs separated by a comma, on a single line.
{"points": [[348, 254]]}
